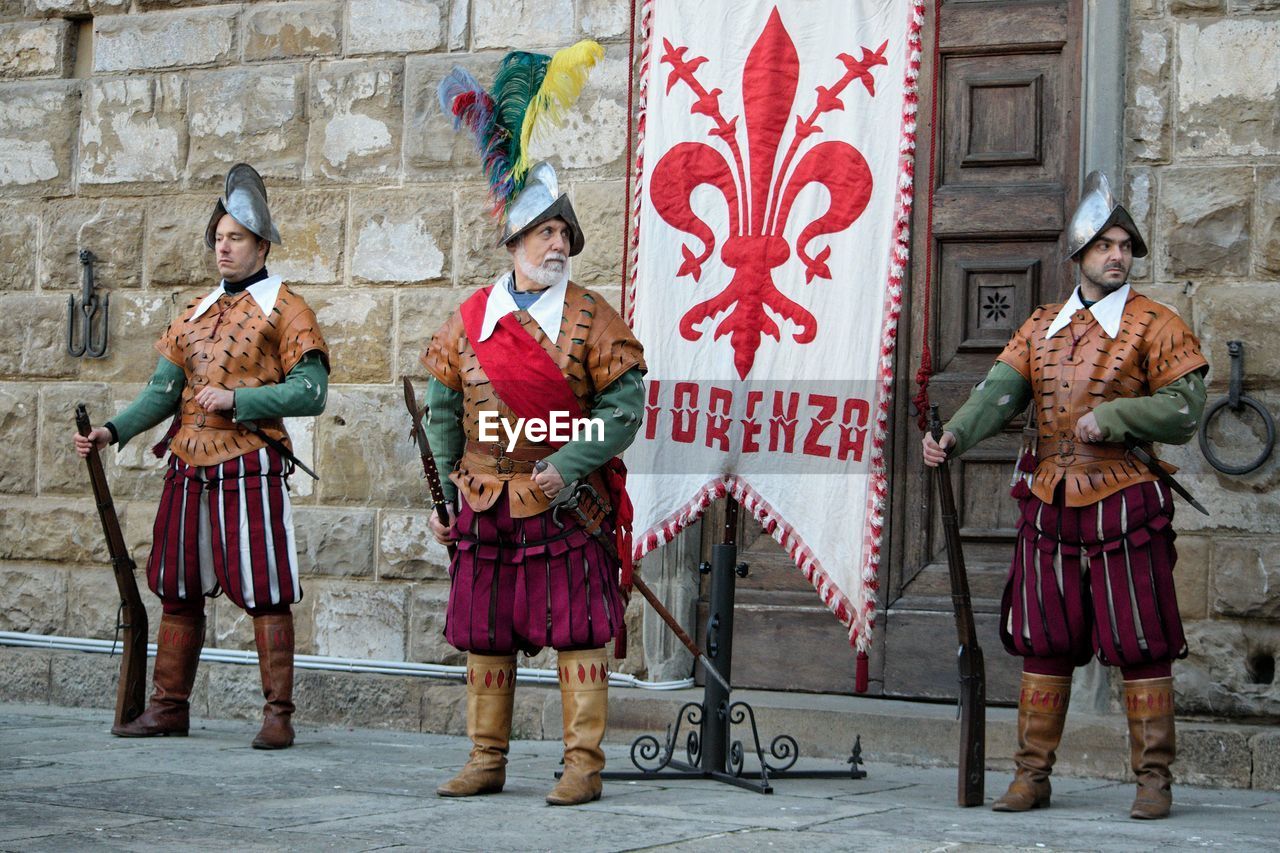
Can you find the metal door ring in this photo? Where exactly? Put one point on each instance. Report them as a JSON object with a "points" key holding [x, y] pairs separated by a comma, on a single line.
{"points": [[1244, 401]]}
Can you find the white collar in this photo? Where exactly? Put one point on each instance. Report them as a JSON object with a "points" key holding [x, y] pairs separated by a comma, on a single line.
{"points": [[547, 311], [1108, 311], [263, 292]]}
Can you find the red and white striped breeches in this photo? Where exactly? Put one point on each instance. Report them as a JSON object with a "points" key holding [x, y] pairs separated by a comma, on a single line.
{"points": [[228, 527]]}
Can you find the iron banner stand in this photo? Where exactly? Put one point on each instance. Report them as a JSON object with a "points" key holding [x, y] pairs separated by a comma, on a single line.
{"points": [[710, 750]]}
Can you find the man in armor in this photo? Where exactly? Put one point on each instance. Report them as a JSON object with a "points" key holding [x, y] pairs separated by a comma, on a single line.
{"points": [[1092, 570], [231, 367], [526, 575]]}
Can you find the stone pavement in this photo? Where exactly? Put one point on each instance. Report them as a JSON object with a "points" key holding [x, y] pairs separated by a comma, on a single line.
{"points": [[66, 784]]}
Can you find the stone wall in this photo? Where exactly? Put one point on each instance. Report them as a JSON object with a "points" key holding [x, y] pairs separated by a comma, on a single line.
{"points": [[1203, 160], [383, 215]]}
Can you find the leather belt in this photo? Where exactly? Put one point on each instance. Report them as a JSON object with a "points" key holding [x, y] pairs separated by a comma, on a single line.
{"points": [[1068, 451], [493, 458]]}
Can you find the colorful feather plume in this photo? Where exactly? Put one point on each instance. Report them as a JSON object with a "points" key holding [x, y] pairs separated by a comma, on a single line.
{"points": [[531, 91]]}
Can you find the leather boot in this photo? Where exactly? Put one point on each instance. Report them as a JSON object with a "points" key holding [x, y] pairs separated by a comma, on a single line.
{"points": [[1149, 705], [584, 694], [491, 693], [1042, 712], [178, 644], [273, 634]]}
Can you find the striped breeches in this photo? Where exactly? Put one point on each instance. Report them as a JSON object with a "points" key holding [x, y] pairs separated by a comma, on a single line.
{"points": [[1096, 579], [226, 527]]}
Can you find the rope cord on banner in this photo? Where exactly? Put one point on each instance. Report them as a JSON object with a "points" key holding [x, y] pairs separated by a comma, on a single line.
{"points": [[921, 400], [626, 199]]}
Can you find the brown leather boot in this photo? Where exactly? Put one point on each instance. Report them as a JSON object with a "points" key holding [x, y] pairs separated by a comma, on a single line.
{"points": [[1152, 744], [273, 635], [178, 644], [1042, 712], [584, 694], [491, 693]]}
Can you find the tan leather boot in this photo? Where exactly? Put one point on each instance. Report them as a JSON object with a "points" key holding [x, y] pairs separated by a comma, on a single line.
{"points": [[491, 693], [584, 694], [1042, 712], [1152, 744], [273, 634], [178, 644]]}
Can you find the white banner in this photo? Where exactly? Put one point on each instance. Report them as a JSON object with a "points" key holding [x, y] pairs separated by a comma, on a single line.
{"points": [[773, 193]]}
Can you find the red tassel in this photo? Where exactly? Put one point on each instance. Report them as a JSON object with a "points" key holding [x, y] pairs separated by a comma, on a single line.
{"points": [[1020, 490], [620, 644], [1027, 463], [861, 677]]}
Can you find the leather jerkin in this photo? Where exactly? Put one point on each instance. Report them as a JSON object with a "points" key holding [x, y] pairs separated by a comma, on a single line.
{"points": [[1081, 367]]}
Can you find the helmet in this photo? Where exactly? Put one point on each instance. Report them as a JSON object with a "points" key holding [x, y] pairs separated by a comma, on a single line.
{"points": [[245, 198], [1098, 210]]}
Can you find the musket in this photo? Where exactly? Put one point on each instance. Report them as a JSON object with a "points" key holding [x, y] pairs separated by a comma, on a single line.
{"points": [[973, 674], [611, 551], [131, 691], [429, 469]]}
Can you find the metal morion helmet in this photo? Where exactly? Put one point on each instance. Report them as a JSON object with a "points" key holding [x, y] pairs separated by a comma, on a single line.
{"points": [[531, 91], [1098, 210], [245, 198]]}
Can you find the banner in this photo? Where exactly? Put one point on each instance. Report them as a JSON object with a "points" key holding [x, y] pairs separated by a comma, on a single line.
{"points": [[769, 241]]}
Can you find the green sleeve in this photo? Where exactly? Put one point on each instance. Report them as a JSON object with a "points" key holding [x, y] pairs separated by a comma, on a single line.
{"points": [[994, 402], [618, 407], [1170, 415], [302, 393], [159, 400], [444, 431]]}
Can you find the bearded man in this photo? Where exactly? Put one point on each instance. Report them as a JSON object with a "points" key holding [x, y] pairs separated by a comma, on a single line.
{"points": [[1092, 570], [232, 367]]}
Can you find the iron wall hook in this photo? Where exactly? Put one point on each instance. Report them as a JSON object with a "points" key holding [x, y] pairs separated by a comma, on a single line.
{"points": [[1237, 401], [85, 341]]}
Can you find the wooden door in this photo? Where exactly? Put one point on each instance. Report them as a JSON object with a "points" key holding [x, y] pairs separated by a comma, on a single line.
{"points": [[1006, 172]]}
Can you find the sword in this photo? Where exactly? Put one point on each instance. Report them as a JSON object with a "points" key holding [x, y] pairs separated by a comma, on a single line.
{"points": [[278, 447], [1164, 476], [611, 551]]}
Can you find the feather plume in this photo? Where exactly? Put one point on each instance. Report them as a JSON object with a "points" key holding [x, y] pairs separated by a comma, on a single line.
{"points": [[463, 98], [559, 88], [518, 80]]}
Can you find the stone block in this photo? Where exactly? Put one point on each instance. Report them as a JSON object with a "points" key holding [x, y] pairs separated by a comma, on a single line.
{"points": [[1191, 576], [406, 548], [593, 137], [357, 699], [1147, 116], [335, 542], [54, 529], [1182, 7], [232, 628], [254, 115], [1228, 76], [1225, 673], [17, 437], [522, 24], [459, 26], [37, 137], [164, 39], [92, 600], [432, 148], [356, 111], [602, 19], [1246, 577], [313, 227], [633, 663], [176, 255], [289, 30], [1214, 757], [61, 470], [601, 206], [426, 626], [24, 676], [19, 230], [133, 130], [84, 679], [1238, 312], [35, 49], [112, 230], [1205, 222], [444, 708], [358, 326], [394, 26], [1266, 761], [33, 328], [134, 472], [478, 256], [303, 433], [234, 692], [363, 451], [1266, 224], [421, 311], [33, 599], [401, 236], [361, 620], [137, 321]]}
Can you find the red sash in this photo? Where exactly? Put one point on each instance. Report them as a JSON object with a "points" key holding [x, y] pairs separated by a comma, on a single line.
{"points": [[529, 382]]}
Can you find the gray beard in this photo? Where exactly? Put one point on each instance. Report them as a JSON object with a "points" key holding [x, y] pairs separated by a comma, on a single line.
{"points": [[542, 276]]}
